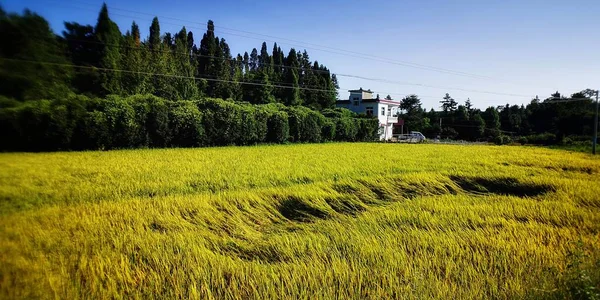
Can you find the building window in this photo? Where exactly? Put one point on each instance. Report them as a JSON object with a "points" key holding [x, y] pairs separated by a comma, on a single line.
{"points": [[383, 111], [355, 101], [369, 111], [389, 111]]}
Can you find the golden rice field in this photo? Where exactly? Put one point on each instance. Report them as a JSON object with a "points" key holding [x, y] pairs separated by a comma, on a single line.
{"points": [[313, 221]]}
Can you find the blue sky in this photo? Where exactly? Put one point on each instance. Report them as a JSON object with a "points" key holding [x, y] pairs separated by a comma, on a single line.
{"points": [[525, 47]]}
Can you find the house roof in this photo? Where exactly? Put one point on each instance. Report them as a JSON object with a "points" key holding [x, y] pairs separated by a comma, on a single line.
{"points": [[384, 101], [381, 101], [360, 91]]}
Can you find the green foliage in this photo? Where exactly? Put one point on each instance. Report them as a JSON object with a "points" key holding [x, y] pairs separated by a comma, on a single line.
{"points": [[80, 123], [346, 129], [328, 130], [109, 40], [278, 127], [523, 140], [31, 66], [542, 139], [186, 125]]}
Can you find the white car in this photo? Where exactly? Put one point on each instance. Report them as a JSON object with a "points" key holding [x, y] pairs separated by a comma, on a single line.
{"points": [[417, 137]]}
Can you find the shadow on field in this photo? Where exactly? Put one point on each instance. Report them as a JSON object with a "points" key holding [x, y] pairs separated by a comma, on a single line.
{"points": [[353, 198], [501, 186], [295, 209]]}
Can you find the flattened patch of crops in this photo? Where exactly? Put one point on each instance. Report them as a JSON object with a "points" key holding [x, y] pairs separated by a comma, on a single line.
{"points": [[296, 209], [501, 186]]}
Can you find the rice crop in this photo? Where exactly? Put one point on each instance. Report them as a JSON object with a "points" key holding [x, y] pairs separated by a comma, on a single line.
{"points": [[304, 221]]}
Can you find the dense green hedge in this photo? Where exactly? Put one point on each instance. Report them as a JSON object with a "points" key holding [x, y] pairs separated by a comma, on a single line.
{"points": [[80, 123]]}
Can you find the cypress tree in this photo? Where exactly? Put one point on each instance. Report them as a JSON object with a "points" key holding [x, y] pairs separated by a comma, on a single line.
{"points": [[264, 60], [253, 62], [186, 87], [223, 71], [154, 39], [133, 59], [292, 93], [109, 38], [278, 71]]}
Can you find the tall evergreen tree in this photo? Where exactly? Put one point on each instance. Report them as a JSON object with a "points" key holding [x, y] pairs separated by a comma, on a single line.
{"points": [[29, 37], [209, 62], [154, 39], [190, 43], [265, 61], [246, 62], [109, 41], [134, 59], [82, 51], [292, 92], [254, 60], [223, 71], [278, 71], [448, 104], [185, 85], [160, 64]]}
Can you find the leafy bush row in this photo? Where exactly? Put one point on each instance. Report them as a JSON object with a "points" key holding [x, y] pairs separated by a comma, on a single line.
{"points": [[81, 123]]}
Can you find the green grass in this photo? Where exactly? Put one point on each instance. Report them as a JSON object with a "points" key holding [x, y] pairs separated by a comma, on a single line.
{"points": [[300, 221]]}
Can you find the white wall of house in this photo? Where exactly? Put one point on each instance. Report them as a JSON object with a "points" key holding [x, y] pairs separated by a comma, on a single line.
{"points": [[382, 110]]}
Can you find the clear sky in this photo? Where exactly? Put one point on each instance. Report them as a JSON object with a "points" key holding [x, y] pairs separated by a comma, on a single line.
{"points": [[523, 47]]}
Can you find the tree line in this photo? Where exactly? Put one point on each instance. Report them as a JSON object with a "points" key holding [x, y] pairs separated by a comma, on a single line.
{"points": [[556, 119], [107, 71], [115, 122], [37, 64]]}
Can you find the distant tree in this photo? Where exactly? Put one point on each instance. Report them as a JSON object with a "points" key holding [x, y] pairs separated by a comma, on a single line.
{"points": [[468, 105], [410, 103], [254, 61], [265, 61], [185, 84], [28, 37], [82, 51], [134, 58], [190, 43], [413, 116], [154, 39], [109, 41], [292, 93], [448, 103], [492, 121]]}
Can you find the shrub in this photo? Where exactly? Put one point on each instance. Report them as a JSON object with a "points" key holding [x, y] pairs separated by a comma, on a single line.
{"points": [[124, 127], [345, 129], [368, 129], [97, 131], [522, 140], [279, 130], [221, 120], [248, 126], [542, 139], [328, 130], [185, 121], [78, 122]]}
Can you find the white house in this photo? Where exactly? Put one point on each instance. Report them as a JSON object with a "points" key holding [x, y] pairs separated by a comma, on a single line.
{"points": [[362, 102]]}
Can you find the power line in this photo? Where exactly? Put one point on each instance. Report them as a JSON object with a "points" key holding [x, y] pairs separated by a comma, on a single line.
{"points": [[312, 70], [158, 74], [336, 50], [276, 85]]}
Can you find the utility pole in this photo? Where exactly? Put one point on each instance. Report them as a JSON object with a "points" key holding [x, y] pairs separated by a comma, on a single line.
{"points": [[595, 126]]}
